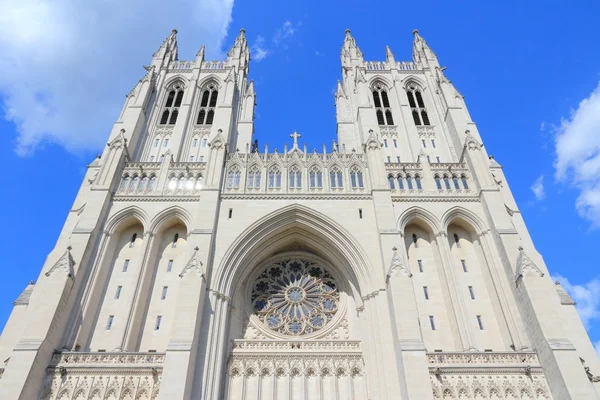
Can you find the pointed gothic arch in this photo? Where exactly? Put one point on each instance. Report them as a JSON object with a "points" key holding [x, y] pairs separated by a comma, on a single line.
{"points": [[421, 214], [125, 218], [283, 227], [462, 216], [165, 217]]}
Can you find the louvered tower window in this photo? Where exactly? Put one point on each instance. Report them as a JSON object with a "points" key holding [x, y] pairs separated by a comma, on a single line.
{"points": [[208, 102], [382, 105], [172, 104], [417, 105]]}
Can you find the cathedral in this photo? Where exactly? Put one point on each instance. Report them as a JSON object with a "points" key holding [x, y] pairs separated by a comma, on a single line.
{"points": [[391, 265]]}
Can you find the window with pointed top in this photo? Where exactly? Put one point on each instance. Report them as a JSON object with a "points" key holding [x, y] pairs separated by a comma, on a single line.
{"points": [[391, 181], [446, 182], [400, 182], [463, 178], [315, 177], [356, 178], [382, 105], [233, 178], [409, 182], [274, 178], [418, 182], [455, 182], [172, 104], [438, 182], [208, 102], [417, 105], [295, 177], [336, 179], [254, 178]]}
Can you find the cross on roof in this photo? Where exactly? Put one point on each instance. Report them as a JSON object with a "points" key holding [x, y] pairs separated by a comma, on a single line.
{"points": [[295, 136]]}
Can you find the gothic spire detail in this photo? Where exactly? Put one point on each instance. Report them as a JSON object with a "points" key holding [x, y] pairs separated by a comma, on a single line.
{"points": [[339, 92], [194, 264], [239, 46], [65, 262], [250, 89], [200, 53], [350, 51], [168, 45], [389, 56], [422, 53]]}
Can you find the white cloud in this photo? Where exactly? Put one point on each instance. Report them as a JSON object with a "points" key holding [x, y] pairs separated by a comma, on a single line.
{"points": [[67, 65], [587, 297], [259, 52], [577, 162], [286, 31], [538, 188]]}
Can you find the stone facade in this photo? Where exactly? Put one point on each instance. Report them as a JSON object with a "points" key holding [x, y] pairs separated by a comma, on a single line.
{"points": [[394, 264]]}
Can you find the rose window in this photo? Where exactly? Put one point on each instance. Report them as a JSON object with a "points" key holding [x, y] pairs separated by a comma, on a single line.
{"points": [[295, 297]]}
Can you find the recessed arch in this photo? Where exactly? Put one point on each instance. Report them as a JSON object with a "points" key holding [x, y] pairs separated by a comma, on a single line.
{"points": [[415, 81], [380, 79], [125, 218], [173, 80], [416, 213], [461, 216], [169, 216], [284, 227]]}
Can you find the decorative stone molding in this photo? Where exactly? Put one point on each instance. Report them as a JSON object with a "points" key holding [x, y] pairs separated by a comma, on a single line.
{"points": [[391, 131], [65, 262], [524, 265], [426, 131], [119, 141], [484, 375], [296, 365], [482, 358], [194, 264], [77, 375], [397, 266]]}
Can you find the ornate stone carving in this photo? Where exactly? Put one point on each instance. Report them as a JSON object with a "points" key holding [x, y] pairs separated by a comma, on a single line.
{"points": [[65, 262], [524, 265], [193, 265], [397, 266], [119, 141]]}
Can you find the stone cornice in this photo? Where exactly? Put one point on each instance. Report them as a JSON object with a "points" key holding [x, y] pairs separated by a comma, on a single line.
{"points": [[307, 196]]}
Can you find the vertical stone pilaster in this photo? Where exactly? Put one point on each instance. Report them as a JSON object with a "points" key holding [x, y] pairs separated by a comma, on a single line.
{"points": [[458, 302]]}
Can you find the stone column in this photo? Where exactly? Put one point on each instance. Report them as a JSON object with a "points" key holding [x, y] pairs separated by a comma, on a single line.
{"points": [[82, 327], [458, 301], [178, 370], [401, 296], [538, 301], [508, 307], [131, 331]]}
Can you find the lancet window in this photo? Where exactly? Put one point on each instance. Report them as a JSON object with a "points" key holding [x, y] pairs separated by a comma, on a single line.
{"points": [[274, 178], [356, 178], [233, 178], [336, 179], [463, 178], [254, 178], [172, 104], [417, 105], [382, 105], [315, 177], [295, 178], [208, 102]]}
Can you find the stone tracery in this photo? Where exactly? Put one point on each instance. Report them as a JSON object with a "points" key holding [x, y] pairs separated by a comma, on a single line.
{"points": [[295, 297]]}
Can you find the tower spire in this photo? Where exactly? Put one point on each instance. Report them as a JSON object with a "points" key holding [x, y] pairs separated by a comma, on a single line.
{"points": [[351, 54], [240, 46], [389, 56], [422, 53], [167, 50]]}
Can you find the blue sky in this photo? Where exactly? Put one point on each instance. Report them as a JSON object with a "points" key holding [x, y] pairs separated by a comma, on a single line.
{"points": [[529, 72]]}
